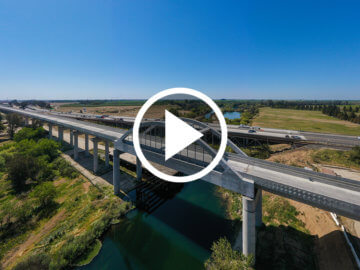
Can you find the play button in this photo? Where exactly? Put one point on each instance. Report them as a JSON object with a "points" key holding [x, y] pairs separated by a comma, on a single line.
{"points": [[178, 135]]}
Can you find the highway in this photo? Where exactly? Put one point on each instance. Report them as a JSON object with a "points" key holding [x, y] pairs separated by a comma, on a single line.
{"points": [[264, 134]]}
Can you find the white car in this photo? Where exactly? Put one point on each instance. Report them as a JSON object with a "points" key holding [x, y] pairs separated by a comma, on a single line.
{"points": [[358, 138]]}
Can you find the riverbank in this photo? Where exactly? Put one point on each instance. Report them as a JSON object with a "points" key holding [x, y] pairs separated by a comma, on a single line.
{"points": [[57, 217]]}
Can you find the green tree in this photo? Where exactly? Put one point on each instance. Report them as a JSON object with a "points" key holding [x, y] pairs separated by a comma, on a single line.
{"points": [[355, 154], [223, 257], [14, 121], [20, 169], [44, 194], [30, 134]]}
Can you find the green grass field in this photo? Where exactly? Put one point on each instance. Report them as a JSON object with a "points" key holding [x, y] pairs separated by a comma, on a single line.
{"points": [[304, 120]]}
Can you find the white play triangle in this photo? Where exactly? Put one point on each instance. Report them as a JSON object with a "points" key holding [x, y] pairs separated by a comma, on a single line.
{"points": [[178, 135]]}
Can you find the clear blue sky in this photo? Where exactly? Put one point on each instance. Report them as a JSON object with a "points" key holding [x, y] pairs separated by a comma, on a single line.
{"points": [[132, 49]]}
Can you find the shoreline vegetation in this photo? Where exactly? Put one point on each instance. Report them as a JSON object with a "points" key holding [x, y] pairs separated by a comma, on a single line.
{"points": [[51, 217]]}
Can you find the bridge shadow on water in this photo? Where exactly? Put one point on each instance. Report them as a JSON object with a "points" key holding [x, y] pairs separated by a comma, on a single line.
{"points": [[176, 235]]}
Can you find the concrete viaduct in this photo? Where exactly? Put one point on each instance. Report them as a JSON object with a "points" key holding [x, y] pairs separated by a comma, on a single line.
{"points": [[237, 172]]}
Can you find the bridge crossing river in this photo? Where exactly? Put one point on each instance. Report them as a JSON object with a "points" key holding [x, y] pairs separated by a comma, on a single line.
{"points": [[236, 172]]}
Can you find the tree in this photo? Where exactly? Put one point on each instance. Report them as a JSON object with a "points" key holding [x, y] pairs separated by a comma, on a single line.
{"points": [[14, 121], [44, 193], [30, 134], [2, 127], [21, 168], [223, 257]]}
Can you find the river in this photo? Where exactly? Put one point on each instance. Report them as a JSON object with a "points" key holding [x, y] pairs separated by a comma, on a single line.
{"points": [[229, 115], [177, 235]]}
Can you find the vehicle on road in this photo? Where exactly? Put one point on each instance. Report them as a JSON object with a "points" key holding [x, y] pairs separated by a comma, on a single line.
{"points": [[251, 131], [358, 138], [296, 137]]}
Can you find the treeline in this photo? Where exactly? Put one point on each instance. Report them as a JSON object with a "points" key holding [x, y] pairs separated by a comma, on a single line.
{"points": [[23, 104], [346, 113], [338, 108]]}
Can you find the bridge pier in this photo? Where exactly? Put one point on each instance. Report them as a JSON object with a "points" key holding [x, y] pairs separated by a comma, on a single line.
{"points": [[106, 153], [71, 137], [116, 171], [258, 214], [86, 144], [50, 131], [95, 154], [76, 145], [26, 121], [250, 219], [60, 134], [138, 169]]}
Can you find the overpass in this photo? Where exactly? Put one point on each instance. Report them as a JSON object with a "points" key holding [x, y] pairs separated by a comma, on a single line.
{"points": [[236, 172]]}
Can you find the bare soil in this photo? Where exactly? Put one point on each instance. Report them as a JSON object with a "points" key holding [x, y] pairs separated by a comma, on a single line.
{"points": [[19, 250], [155, 111], [331, 248]]}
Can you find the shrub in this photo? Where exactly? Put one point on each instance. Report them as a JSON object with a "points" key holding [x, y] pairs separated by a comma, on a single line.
{"points": [[65, 169], [223, 257], [47, 147], [355, 155], [34, 262], [20, 168], [44, 193], [30, 134]]}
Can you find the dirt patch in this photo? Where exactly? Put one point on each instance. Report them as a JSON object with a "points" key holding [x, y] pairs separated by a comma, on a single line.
{"points": [[86, 186], [300, 157], [155, 111], [330, 248], [17, 252]]}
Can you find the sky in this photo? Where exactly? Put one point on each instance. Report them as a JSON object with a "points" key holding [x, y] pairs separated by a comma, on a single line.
{"points": [[125, 49]]}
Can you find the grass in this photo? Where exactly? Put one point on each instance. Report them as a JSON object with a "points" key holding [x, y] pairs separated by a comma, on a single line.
{"points": [[82, 204], [314, 121], [336, 158], [87, 258]]}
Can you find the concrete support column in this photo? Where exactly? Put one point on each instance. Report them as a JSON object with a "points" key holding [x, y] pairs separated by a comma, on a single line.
{"points": [[60, 134], [138, 169], [76, 145], [86, 144], [258, 215], [95, 154], [26, 121], [116, 171], [71, 137], [50, 131], [106, 153], [248, 226]]}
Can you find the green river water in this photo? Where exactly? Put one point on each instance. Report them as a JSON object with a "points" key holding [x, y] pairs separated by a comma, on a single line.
{"points": [[177, 235]]}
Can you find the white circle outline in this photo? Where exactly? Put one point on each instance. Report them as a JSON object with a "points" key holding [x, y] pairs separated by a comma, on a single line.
{"points": [[213, 163]]}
